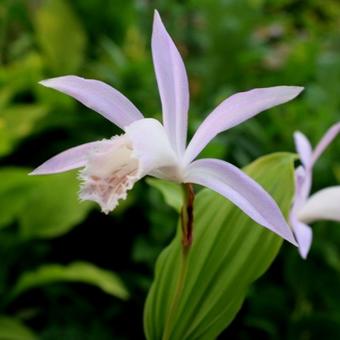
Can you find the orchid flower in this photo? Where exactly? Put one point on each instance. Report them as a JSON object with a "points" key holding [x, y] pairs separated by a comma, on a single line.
{"points": [[323, 205], [111, 167]]}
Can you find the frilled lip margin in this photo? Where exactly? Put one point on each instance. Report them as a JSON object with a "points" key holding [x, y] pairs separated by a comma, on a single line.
{"points": [[109, 173]]}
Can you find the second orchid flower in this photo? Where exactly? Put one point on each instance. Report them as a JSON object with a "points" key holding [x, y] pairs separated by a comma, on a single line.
{"points": [[323, 205]]}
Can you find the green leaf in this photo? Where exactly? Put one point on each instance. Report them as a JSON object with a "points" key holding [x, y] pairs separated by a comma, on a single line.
{"points": [[54, 21], [17, 122], [82, 272], [44, 206], [21, 75], [13, 329], [229, 252], [53, 208], [13, 194], [172, 192]]}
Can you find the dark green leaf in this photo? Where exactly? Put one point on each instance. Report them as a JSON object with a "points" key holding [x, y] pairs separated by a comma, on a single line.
{"points": [[82, 272], [54, 207], [17, 122], [44, 206], [13, 329]]}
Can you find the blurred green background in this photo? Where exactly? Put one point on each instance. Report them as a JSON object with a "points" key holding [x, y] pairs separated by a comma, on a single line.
{"points": [[227, 46]]}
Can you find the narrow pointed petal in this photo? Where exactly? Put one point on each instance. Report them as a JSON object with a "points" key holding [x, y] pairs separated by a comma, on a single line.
{"points": [[68, 160], [304, 236], [325, 141], [98, 96], [323, 205], [235, 185], [172, 83], [303, 148], [235, 110]]}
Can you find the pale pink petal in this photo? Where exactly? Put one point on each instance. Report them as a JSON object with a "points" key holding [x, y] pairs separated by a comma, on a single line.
{"points": [[304, 236], [249, 196], [98, 96], [303, 148], [303, 182], [235, 110], [69, 159], [299, 198], [325, 141], [323, 205], [300, 176], [172, 83]]}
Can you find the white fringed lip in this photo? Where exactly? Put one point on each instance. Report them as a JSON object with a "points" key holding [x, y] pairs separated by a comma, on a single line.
{"points": [[111, 171]]}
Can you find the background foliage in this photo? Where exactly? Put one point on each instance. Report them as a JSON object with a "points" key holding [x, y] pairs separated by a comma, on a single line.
{"points": [[228, 46]]}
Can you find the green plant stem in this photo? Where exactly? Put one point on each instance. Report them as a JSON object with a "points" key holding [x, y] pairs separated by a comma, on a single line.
{"points": [[187, 228]]}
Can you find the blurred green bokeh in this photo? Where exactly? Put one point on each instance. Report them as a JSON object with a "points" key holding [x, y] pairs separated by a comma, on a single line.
{"points": [[227, 46]]}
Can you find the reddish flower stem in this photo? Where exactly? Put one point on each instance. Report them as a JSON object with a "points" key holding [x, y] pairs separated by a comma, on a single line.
{"points": [[187, 215], [187, 220]]}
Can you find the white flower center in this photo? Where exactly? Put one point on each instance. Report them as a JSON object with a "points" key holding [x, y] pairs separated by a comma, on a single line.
{"points": [[111, 171]]}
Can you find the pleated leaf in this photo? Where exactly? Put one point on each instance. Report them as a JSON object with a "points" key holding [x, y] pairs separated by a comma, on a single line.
{"points": [[229, 252]]}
